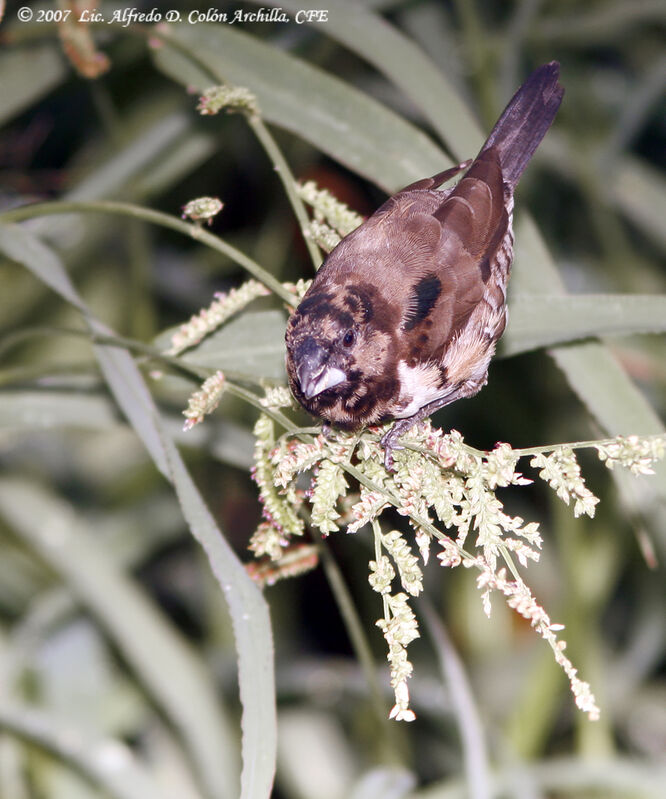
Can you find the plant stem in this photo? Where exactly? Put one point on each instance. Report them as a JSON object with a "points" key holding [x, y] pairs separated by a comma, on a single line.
{"points": [[377, 533], [359, 643], [284, 173], [158, 218], [266, 140]]}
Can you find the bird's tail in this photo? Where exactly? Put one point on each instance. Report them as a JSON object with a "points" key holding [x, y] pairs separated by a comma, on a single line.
{"points": [[525, 120]]}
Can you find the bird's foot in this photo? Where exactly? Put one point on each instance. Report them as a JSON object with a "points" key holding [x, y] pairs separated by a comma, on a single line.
{"points": [[389, 442]]}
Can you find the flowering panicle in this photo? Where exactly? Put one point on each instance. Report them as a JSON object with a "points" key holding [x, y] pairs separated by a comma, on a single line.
{"points": [[323, 235], [500, 467], [328, 209], [382, 574], [277, 397], [292, 562], [408, 478], [561, 471], [399, 623], [436, 476], [411, 576], [482, 506], [78, 44], [463, 497], [204, 401], [400, 628], [268, 540], [223, 307], [298, 289], [328, 485], [519, 598], [634, 453], [292, 458], [423, 539], [279, 507], [368, 507], [231, 98]]}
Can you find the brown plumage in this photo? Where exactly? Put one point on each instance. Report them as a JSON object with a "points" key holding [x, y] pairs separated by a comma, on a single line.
{"points": [[404, 314]]}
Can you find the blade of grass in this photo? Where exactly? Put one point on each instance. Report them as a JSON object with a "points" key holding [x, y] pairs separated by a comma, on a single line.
{"points": [[378, 42], [30, 410], [252, 344], [542, 321], [148, 215], [162, 659], [639, 192], [245, 602], [105, 763], [26, 74], [339, 120], [470, 727]]}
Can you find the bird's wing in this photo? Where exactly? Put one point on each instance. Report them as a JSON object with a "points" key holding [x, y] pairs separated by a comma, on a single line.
{"points": [[441, 259]]}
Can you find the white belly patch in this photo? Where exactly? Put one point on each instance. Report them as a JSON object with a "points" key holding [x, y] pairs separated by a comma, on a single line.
{"points": [[419, 385]]}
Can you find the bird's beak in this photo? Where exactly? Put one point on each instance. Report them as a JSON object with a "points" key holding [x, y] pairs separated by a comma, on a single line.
{"points": [[314, 375]]}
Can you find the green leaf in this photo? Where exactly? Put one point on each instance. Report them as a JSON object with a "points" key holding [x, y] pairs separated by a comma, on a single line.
{"points": [[640, 193], [22, 247], [26, 74], [339, 120], [117, 365], [252, 630], [44, 410], [614, 400], [404, 63], [542, 321], [251, 344]]}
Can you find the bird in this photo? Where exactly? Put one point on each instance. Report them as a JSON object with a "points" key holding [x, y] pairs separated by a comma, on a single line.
{"points": [[404, 315]]}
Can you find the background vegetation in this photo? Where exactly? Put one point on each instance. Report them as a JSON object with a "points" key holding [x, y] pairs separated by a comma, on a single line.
{"points": [[121, 649]]}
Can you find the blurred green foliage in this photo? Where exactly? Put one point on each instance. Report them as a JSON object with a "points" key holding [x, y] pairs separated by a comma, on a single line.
{"points": [[119, 664]]}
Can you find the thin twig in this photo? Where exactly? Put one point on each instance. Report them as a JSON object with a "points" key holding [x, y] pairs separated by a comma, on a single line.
{"points": [[195, 232]]}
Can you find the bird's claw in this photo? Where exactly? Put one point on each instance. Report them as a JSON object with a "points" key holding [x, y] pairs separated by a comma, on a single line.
{"points": [[389, 444]]}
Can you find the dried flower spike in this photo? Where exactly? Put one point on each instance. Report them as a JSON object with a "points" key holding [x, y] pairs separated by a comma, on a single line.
{"points": [[292, 562], [327, 208], [634, 453], [78, 43], [202, 209], [225, 305], [231, 98], [561, 471], [204, 401], [323, 235]]}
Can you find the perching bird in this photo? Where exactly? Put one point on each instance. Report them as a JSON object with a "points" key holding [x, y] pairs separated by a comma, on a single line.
{"points": [[404, 314]]}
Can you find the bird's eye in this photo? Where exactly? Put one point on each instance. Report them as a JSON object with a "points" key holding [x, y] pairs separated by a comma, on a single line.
{"points": [[349, 339]]}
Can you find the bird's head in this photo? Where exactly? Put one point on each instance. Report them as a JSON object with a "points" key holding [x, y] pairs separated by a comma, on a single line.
{"points": [[336, 352]]}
